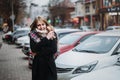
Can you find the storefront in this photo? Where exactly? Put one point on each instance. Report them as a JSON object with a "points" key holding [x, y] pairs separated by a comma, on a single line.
{"points": [[109, 16]]}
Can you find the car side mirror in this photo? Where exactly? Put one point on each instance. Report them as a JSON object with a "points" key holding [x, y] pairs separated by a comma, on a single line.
{"points": [[117, 52]]}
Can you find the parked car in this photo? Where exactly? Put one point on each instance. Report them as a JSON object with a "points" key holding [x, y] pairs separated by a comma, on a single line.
{"points": [[63, 32], [73, 39], [60, 34], [113, 27], [22, 40], [86, 28], [7, 37], [96, 52], [19, 33], [109, 73]]}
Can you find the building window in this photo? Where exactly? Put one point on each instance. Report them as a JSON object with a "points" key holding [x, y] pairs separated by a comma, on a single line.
{"points": [[87, 9], [117, 1], [94, 6], [105, 3]]}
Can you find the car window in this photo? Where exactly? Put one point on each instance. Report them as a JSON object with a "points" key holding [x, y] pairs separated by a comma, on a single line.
{"points": [[98, 44], [117, 28], [69, 39], [60, 35], [109, 29], [18, 32], [21, 31], [85, 37]]}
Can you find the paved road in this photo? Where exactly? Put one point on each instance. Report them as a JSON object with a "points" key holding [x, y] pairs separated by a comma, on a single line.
{"points": [[13, 63]]}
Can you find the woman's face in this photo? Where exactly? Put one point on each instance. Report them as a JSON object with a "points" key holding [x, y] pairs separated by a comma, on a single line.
{"points": [[41, 25]]}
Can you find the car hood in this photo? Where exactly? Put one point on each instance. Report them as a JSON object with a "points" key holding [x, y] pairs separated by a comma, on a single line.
{"points": [[71, 58], [109, 73]]}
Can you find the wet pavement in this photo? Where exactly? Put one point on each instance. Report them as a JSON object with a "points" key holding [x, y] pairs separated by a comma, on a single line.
{"points": [[13, 63]]}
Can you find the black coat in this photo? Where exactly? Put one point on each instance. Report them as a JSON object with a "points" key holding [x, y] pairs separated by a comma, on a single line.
{"points": [[43, 67]]}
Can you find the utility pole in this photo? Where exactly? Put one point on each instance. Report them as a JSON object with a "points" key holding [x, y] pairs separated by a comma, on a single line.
{"points": [[12, 15], [91, 23], [83, 4]]}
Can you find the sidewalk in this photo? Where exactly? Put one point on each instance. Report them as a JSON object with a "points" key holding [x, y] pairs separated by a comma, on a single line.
{"points": [[13, 63]]}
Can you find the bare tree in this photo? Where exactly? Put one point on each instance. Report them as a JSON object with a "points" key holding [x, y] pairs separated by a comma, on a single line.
{"points": [[6, 9]]}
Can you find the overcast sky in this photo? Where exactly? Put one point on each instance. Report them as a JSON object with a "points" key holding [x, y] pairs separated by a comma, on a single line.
{"points": [[41, 2]]}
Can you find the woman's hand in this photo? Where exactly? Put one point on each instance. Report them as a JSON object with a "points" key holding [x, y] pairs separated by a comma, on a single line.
{"points": [[51, 35]]}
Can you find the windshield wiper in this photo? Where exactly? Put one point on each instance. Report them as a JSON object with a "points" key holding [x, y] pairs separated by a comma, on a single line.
{"points": [[89, 51]]}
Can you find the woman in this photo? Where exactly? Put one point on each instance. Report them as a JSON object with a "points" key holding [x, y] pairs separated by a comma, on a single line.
{"points": [[43, 43]]}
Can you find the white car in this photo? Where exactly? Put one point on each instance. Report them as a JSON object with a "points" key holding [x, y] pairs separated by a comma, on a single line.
{"points": [[20, 32], [96, 52], [109, 73], [112, 28], [22, 40]]}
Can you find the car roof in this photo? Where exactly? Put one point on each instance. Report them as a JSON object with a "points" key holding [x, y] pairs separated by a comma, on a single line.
{"points": [[84, 33], [110, 33], [65, 30]]}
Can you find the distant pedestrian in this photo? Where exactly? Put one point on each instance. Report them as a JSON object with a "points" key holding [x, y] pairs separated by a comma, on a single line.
{"points": [[43, 43], [5, 28]]}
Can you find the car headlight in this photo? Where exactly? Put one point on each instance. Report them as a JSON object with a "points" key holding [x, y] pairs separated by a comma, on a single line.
{"points": [[85, 68]]}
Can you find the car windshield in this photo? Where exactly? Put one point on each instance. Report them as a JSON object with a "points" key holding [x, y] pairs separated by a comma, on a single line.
{"points": [[97, 44], [85, 27], [69, 39], [21, 31]]}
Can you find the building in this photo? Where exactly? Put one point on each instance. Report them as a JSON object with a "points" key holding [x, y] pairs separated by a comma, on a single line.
{"points": [[85, 11], [109, 12]]}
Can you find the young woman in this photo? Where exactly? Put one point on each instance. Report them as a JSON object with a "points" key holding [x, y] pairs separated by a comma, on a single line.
{"points": [[43, 43]]}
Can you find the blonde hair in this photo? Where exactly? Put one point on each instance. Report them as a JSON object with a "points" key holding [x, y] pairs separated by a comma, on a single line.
{"points": [[34, 24]]}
